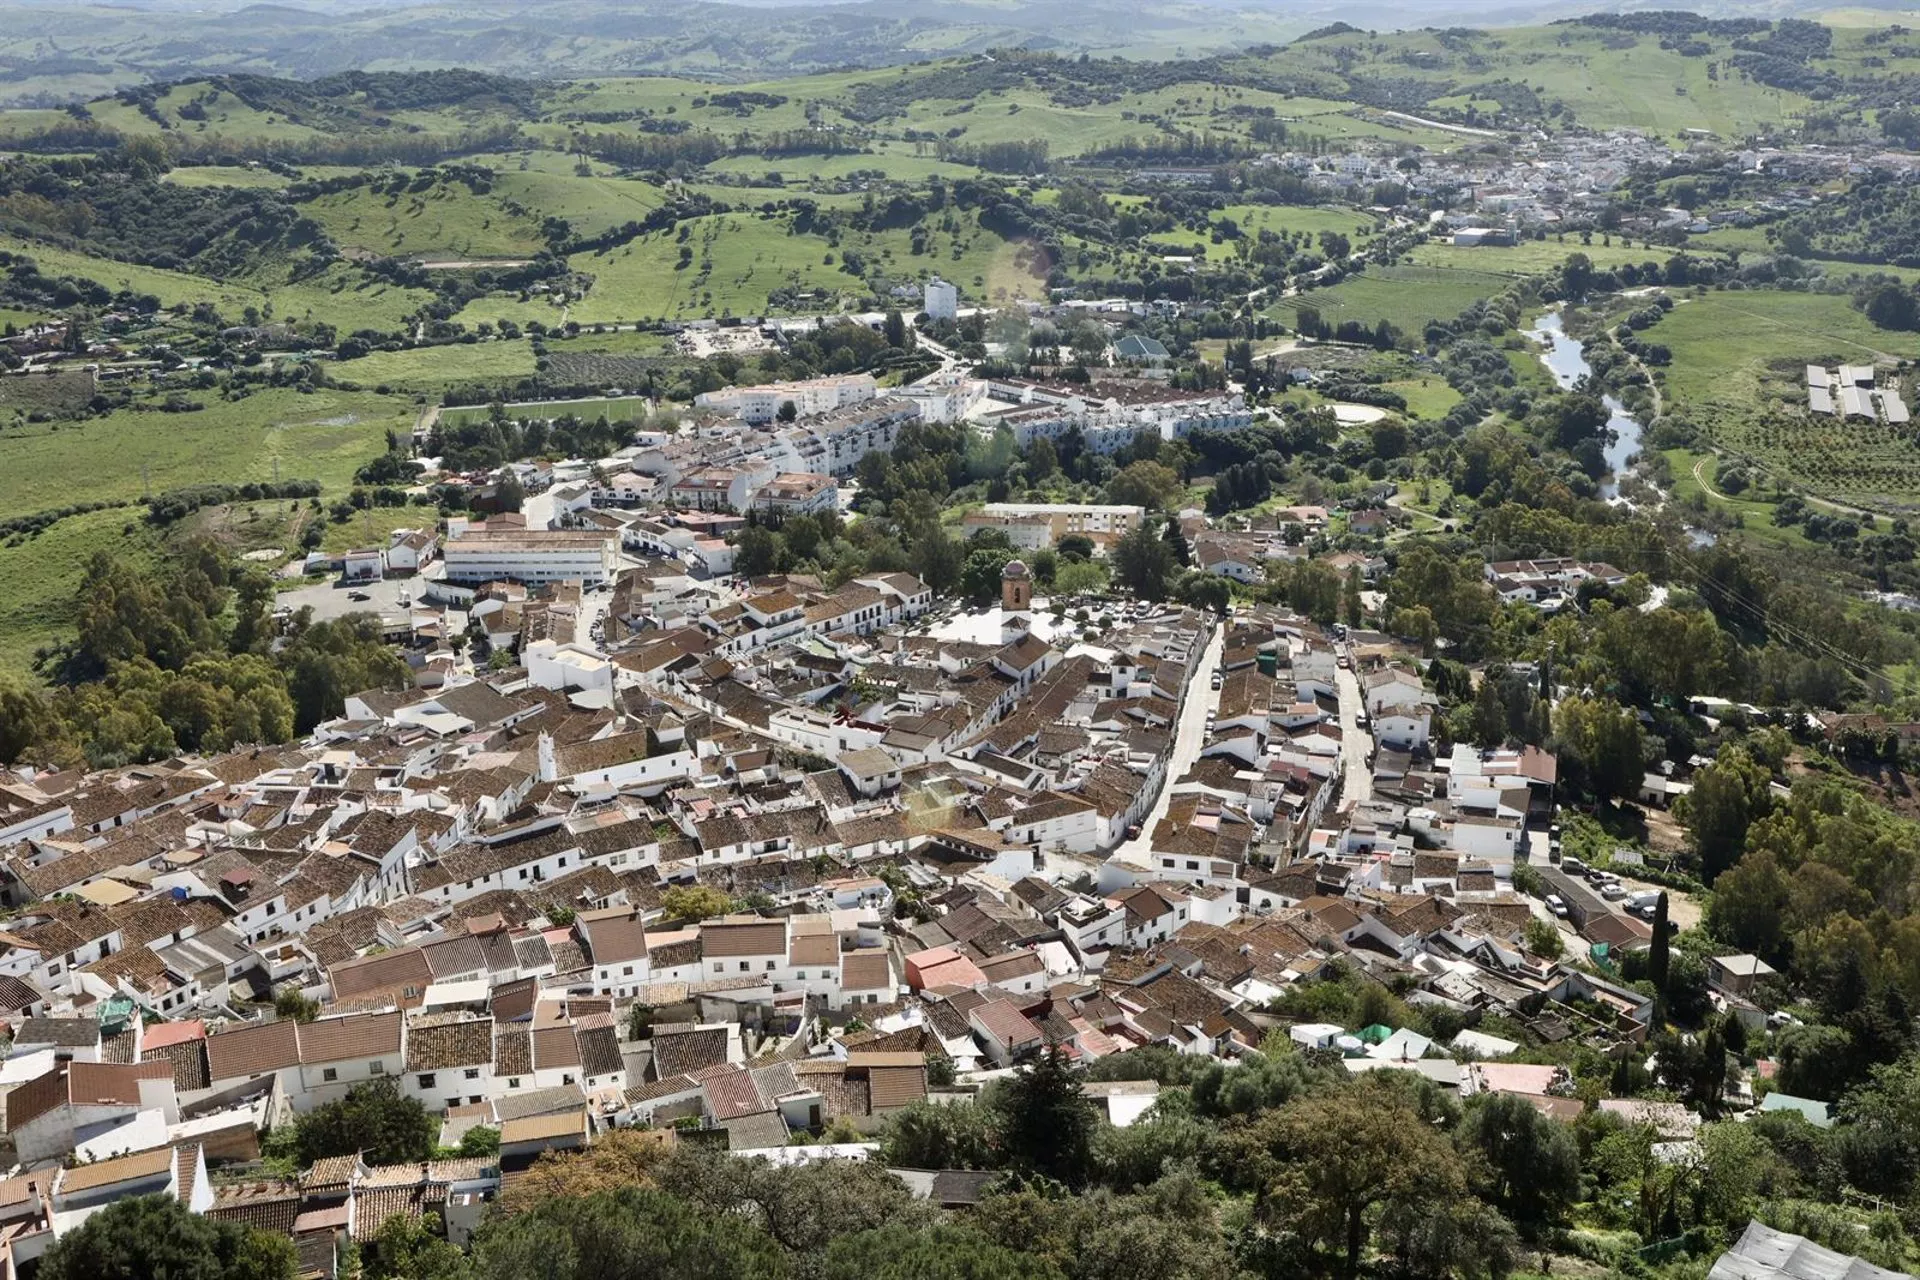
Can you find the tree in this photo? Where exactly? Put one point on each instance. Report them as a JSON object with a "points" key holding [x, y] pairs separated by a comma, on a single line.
{"points": [[1142, 562], [1046, 1123], [1728, 797], [1605, 737], [375, 1119], [756, 550], [787, 411], [294, 1004], [634, 1233], [929, 1253], [1075, 546], [691, 902], [1529, 1162], [1177, 544], [980, 580], [155, 1237], [1333, 1158], [404, 1249], [930, 1135], [1543, 939], [1145, 484], [617, 1159], [1352, 611], [509, 494]]}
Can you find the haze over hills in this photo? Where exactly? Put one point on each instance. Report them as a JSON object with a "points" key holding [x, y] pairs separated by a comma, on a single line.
{"points": [[50, 54]]}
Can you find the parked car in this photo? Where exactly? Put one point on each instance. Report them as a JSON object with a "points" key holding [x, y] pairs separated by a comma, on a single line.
{"points": [[1573, 866], [358, 595], [1556, 905], [1613, 892], [1216, 680]]}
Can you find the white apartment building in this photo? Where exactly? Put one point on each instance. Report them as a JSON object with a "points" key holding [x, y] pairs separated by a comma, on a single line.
{"points": [[810, 398], [940, 300], [531, 556]]}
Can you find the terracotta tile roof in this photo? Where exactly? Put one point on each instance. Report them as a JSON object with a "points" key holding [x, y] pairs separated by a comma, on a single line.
{"points": [[545, 1128], [188, 1059], [385, 972], [330, 1173], [512, 1052], [266, 1206], [356, 1035], [682, 1052], [731, 1094], [105, 1173], [615, 936], [555, 1047], [896, 1086], [869, 970], [437, 1045], [743, 938], [600, 1051]]}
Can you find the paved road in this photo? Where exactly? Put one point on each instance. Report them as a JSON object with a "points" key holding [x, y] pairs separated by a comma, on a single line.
{"points": [[1189, 737], [1355, 743]]}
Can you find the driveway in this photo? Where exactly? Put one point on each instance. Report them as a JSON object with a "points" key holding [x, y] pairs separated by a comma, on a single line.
{"points": [[1188, 738]]}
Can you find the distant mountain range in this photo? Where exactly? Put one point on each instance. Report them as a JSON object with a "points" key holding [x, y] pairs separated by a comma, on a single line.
{"points": [[53, 52]]}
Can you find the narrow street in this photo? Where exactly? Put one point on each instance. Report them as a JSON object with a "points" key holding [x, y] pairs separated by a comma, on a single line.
{"points": [[1189, 737], [1355, 743]]}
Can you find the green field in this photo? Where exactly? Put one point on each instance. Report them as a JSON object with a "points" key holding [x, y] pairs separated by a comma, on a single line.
{"points": [[1533, 257], [323, 436], [42, 572], [1406, 297], [613, 409], [226, 176], [435, 368]]}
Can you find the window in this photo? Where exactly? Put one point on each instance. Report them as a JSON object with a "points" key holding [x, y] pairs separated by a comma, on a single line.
{"points": [[426, 1080], [769, 965], [328, 1075], [718, 967], [567, 1078], [473, 1073], [513, 1082], [626, 971], [744, 966], [1192, 865], [376, 1068]]}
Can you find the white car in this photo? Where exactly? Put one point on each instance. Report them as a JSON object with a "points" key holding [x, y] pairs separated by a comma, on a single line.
{"points": [[1613, 891], [1555, 905]]}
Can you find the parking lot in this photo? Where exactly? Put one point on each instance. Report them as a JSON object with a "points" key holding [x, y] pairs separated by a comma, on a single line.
{"points": [[334, 599]]}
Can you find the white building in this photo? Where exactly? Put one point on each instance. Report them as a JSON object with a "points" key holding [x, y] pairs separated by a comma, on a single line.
{"points": [[531, 556], [814, 396], [940, 300]]}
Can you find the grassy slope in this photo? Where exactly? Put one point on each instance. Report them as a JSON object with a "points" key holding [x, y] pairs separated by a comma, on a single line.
{"points": [[338, 297], [41, 573], [323, 436]]}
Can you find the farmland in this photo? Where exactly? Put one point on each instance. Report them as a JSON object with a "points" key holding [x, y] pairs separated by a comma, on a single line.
{"points": [[1406, 297], [1737, 374]]}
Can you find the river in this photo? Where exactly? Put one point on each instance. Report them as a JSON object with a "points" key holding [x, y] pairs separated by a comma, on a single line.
{"points": [[1562, 357]]}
